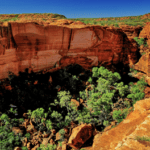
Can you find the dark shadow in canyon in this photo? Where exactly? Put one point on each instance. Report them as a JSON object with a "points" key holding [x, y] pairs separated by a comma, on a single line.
{"points": [[30, 97]]}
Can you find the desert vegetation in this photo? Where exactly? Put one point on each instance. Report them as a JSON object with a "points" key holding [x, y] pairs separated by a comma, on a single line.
{"points": [[57, 111], [115, 21]]}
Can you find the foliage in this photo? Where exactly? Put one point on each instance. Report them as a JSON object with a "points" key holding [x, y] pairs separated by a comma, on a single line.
{"points": [[14, 19], [116, 115], [6, 20], [120, 115], [27, 135], [8, 139], [62, 132], [98, 101], [24, 148], [133, 70], [142, 138], [137, 91], [106, 123], [140, 41], [49, 147]]}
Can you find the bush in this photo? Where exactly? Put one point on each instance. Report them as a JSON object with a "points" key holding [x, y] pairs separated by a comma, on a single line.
{"points": [[8, 140], [117, 115], [24, 148], [101, 100], [120, 115], [49, 147], [140, 41], [137, 91], [85, 115]]}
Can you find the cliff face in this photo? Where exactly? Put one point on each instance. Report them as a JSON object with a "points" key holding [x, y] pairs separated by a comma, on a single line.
{"points": [[145, 33], [131, 31], [30, 45]]}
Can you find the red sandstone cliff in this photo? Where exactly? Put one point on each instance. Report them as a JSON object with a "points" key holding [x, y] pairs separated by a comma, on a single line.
{"points": [[30, 45]]}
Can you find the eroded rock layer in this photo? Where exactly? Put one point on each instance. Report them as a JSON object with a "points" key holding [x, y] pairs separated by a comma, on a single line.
{"points": [[124, 135], [30, 45], [145, 33]]}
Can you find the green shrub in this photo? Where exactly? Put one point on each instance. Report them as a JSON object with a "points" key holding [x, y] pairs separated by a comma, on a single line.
{"points": [[62, 132], [101, 100], [6, 20], [117, 115], [48, 147], [137, 91], [27, 135], [116, 25], [14, 19], [8, 140], [106, 123], [86, 115], [24, 148], [140, 41], [120, 115]]}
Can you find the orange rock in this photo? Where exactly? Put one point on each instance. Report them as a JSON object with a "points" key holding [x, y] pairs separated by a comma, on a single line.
{"points": [[142, 64], [80, 135], [30, 45], [131, 31], [123, 136], [145, 33]]}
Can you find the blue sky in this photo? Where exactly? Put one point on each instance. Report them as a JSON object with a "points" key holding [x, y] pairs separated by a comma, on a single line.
{"points": [[77, 8]]}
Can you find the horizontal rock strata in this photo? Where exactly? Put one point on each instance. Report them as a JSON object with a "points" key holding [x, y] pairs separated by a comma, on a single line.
{"points": [[30, 45]]}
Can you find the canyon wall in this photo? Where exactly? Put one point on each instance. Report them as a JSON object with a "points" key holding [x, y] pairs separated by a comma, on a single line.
{"points": [[143, 64], [131, 31], [30, 45], [145, 33]]}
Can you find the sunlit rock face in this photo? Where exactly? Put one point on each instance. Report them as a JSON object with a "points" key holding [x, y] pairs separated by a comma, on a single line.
{"points": [[131, 31], [30, 45], [145, 33], [123, 136]]}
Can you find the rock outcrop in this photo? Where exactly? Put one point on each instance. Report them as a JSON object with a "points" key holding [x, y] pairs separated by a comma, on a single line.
{"points": [[123, 136], [131, 31], [142, 64], [30, 45], [145, 33]]}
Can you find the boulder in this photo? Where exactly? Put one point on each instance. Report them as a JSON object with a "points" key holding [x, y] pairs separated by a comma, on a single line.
{"points": [[80, 135], [30, 45]]}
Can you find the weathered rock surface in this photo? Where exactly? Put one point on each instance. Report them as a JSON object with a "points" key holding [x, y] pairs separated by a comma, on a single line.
{"points": [[145, 33], [131, 31], [139, 75], [123, 135], [142, 64], [30, 45]]}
